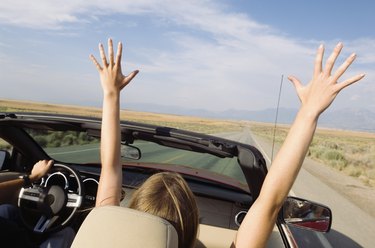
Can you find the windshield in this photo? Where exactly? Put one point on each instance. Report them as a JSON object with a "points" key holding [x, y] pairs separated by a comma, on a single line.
{"points": [[79, 147], [154, 153]]}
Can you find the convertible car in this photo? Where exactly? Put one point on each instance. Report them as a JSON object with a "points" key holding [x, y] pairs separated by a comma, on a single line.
{"points": [[225, 176]]}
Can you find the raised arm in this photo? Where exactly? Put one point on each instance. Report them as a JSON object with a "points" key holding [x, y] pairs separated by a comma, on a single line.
{"points": [[315, 97], [112, 81]]}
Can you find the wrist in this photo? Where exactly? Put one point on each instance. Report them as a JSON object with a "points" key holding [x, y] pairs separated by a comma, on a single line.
{"points": [[111, 98], [26, 181], [111, 93], [308, 114], [33, 178]]}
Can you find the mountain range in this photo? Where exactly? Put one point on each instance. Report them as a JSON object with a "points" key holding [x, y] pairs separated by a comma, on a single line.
{"points": [[347, 119]]}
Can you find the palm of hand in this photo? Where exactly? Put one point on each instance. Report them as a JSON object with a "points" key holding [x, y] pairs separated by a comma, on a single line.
{"points": [[323, 88], [111, 75]]}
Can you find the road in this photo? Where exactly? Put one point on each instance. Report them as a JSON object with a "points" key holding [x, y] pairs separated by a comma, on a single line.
{"points": [[351, 227]]}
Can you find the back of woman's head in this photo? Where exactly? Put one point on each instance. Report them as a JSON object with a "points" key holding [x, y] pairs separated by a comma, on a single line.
{"points": [[168, 196]]}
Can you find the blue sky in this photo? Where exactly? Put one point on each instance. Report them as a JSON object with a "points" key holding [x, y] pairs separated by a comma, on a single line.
{"points": [[213, 55]]}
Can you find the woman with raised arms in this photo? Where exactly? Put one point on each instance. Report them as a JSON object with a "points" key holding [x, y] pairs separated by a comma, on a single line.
{"points": [[179, 206]]}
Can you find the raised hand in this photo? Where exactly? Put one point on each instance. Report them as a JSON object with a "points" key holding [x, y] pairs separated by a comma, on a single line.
{"points": [[111, 76], [112, 81], [324, 86]]}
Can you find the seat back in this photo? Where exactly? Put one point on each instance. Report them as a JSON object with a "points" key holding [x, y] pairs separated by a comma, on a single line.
{"points": [[114, 226]]}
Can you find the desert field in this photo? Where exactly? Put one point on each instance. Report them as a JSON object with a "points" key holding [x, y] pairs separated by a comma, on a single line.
{"points": [[196, 124], [350, 152]]}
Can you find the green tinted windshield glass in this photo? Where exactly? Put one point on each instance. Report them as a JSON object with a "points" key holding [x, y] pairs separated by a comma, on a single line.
{"points": [[68, 146], [78, 147], [154, 153]]}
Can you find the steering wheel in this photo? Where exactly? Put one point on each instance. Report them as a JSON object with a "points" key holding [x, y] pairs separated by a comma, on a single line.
{"points": [[51, 205]]}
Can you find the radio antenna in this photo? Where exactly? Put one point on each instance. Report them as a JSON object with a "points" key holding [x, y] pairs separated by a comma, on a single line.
{"points": [[277, 113]]}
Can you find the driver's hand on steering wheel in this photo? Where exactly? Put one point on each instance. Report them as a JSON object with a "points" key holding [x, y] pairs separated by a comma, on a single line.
{"points": [[40, 169]]}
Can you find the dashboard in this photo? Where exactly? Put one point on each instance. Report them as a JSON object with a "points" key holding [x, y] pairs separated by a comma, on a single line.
{"points": [[218, 206]]}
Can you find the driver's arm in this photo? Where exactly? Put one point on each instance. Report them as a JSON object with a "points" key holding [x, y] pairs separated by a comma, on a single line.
{"points": [[9, 189]]}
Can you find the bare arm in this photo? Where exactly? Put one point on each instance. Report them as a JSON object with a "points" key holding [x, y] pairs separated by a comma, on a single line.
{"points": [[315, 98], [9, 190], [112, 81]]}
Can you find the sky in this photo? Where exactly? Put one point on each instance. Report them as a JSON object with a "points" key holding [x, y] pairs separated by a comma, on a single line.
{"points": [[212, 55]]}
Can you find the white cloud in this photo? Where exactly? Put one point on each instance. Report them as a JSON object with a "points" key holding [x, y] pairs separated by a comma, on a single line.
{"points": [[365, 48], [37, 14], [236, 63]]}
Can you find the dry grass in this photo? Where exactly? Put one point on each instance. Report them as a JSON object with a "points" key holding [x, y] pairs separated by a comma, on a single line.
{"points": [[350, 152], [26, 106], [202, 125]]}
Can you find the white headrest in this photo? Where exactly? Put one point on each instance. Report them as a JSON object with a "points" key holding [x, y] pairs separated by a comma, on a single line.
{"points": [[114, 226]]}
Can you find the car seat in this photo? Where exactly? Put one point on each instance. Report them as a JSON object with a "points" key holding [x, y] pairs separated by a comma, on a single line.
{"points": [[114, 226]]}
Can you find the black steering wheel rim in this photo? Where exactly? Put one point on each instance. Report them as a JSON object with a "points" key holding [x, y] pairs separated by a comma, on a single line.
{"points": [[48, 208]]}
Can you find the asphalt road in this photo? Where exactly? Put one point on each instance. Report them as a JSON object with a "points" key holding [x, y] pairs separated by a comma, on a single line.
{"points": [[351, 226]]}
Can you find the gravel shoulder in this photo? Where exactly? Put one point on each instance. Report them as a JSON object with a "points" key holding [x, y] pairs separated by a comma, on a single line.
{"points": [[349, 187]]}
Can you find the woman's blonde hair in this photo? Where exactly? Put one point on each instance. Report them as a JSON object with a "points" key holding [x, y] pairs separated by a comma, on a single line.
{"points": [[168, 196]]}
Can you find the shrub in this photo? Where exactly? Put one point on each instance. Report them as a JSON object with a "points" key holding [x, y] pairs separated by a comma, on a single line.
{"points": [[54, 143], [330, 154], [5, 147], [338, 164], [69, 140], [354, 171], [315, 152], [41, 140]]}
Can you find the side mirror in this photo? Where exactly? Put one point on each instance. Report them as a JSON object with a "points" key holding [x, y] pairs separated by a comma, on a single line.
{"points": [[4, 155], [132, 152], [306, 214]]}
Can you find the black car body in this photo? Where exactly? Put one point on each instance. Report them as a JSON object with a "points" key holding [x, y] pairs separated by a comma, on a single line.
{"points": [[225, 176]]}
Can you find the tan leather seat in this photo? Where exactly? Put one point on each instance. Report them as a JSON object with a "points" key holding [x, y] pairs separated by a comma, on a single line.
{"points": [[113, 226]]}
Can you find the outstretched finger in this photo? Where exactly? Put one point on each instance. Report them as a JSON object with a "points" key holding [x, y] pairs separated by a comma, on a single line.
{"points": [[102, 55], [344, 67], [119, 52], [332, 58], [318, 60], [350, 81], [110, 51], [93, 59]]}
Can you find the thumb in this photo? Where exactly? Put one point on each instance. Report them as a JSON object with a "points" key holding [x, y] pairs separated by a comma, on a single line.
{"points": [[297, 84], [128, 78], [50, 163]]}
